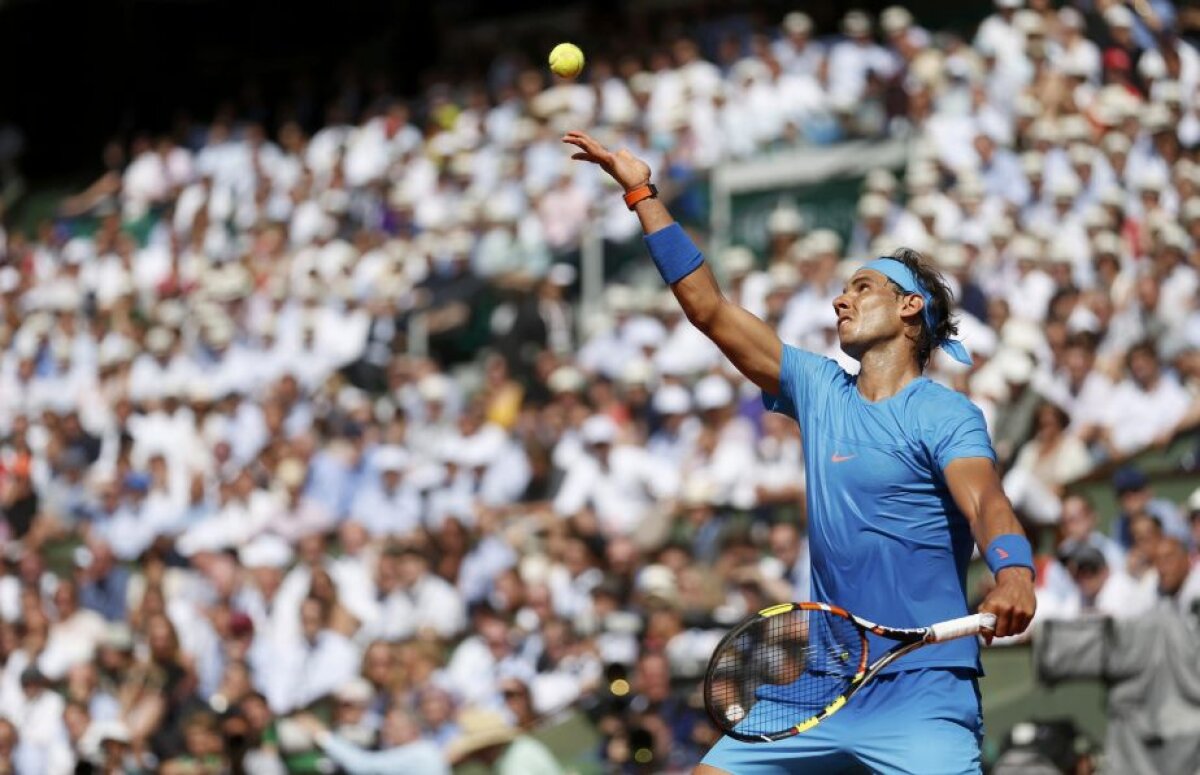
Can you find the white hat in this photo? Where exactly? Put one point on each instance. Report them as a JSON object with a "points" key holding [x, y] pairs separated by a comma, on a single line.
{"points": [[950, 255], [1152, 180], [737, 260], [895, 19], [856, 23], [656, 579], [671, 399], [783, 277], [1119, 16], [357, 690], [873, 206], [824, 241], [1191, 209], [924, 206], [78, 250], [880, 180], [1070, 17], [785, 219], [1025, 248], [638, 371], [390, 457], [1015, 365], [1065, 188], [1193, 501], [713, 392], [599, 429], [433, 387], [1106, 243], [797, 23], [565, 379], [266, 551], [1009, 3]]}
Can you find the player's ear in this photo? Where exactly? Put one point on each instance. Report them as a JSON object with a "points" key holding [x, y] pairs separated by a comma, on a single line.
{"points": [[911, 304]]}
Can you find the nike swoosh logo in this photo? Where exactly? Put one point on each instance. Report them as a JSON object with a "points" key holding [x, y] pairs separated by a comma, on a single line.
{"points": [[1003, 554], [842, 458]]}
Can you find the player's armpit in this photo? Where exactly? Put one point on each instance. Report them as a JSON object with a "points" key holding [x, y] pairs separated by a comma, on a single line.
{"points": [[749, 343]]}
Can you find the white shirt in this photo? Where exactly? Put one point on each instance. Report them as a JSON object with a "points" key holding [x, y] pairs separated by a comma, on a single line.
{"points": [[1137, 417], [432, 603], [621, 493]]}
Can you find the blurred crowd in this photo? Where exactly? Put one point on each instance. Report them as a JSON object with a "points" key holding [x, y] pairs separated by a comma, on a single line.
{"points": [[308, 458]]}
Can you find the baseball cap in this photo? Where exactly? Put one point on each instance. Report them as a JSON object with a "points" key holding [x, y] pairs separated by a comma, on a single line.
{"points": [[797, 23], [1129, 479], [713, 392], [1119, 16], [391, 458], [671, 399], [856, 23], [599, 429]]}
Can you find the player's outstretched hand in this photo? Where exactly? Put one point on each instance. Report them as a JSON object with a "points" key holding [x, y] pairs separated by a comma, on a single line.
{"points": [[623, 166], [1012, 601]]}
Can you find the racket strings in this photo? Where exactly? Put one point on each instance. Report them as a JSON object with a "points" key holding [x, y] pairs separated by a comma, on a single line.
{"points": [[783, 669]]}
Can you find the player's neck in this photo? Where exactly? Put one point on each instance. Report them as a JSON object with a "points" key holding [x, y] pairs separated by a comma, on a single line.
{"points": [[884, 371]]}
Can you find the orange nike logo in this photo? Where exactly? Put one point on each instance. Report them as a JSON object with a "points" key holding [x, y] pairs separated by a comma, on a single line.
{"points": [[842, 458], [1003, 554]]}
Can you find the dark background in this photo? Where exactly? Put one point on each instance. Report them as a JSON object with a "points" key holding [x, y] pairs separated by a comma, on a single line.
{"points": [[76, 74]]}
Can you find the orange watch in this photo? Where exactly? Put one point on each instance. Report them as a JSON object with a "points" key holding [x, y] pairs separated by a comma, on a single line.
{"points": [[646, 191]]}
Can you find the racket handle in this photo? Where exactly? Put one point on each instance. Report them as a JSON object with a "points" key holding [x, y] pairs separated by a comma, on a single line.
{"points": [[961, 628]]}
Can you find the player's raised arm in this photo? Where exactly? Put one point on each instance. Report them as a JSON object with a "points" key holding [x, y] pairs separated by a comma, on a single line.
{"points": [[748, 342]]}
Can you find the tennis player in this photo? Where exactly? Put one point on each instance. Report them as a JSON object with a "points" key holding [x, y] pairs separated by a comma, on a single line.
{"points": [[901, 482]]}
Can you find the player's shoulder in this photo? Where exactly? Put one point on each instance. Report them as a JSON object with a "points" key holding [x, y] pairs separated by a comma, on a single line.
{"points": [[939, 402]]}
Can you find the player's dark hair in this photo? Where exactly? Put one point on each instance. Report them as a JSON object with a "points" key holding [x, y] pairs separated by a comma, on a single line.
{"points": [[931, 279]]}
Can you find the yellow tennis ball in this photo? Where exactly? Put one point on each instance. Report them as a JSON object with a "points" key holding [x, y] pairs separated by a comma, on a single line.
{"points": [[566, 60]]}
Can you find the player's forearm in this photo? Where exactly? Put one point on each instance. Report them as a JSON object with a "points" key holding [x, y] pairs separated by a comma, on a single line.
{"points": [[653, 215], [996, 518]]}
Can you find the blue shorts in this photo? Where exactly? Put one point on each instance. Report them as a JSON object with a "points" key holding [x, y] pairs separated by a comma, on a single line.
{"points": [[924, 722]]}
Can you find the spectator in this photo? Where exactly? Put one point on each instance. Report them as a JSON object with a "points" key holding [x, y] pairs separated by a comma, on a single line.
{"points": [[487, 738]]}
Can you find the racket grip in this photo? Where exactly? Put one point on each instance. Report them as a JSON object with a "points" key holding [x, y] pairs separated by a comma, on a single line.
{"points": [[961, 628]]}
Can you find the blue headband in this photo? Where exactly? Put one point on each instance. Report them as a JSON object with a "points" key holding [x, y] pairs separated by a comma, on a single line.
{"points": [[901, 275]]}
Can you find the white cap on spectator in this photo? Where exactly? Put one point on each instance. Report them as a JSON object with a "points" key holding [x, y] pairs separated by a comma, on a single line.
{"points": [[895, 19], [356, 691], [713, 392], [784, 277], [785, 219], [923, 207], [1009, 4], [1118, 16], [433, 388], [880, 181], [1070, 18], [566, 379], [1106, 243], [78, 250], [824, 241], [1066, 188], [873, 206], [950, 255], [1193, 501], [266, 551], [737, 260], [390, 457], [856, 23], [598, 429], [638, 371], [1191, 209], [797, 23], [671, 399]]}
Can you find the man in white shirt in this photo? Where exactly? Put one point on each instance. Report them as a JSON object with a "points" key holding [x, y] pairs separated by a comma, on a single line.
{"points": [[412, 599], [1145, 405], [391, 507], [1103, 589], [319, 663], [620, 482]]}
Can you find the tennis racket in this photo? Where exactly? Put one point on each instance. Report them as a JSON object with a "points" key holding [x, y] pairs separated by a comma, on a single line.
{"points": [[809, 659]]}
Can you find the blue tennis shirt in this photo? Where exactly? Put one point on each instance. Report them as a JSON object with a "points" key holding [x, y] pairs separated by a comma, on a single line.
{"points": [[886, 539]]}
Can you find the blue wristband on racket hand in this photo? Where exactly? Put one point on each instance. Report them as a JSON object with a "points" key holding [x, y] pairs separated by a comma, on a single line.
{"points": [[674, 253], [1008, 550]]}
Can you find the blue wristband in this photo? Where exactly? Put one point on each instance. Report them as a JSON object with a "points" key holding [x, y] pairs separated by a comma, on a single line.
{"points": [[674, 253], [1008, 550]]}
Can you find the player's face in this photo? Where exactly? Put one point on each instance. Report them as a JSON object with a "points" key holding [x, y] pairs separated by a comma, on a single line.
{"points": [[868, 312]]}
